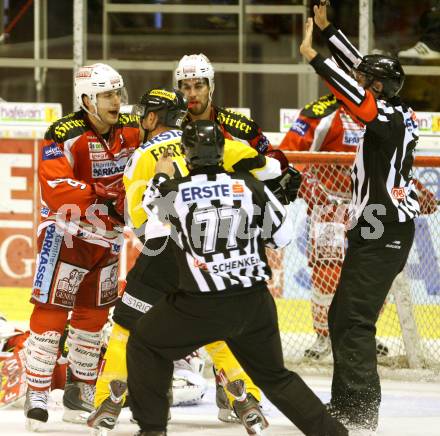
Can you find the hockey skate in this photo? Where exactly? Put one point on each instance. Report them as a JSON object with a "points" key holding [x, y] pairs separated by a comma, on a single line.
{"points": [[321, 348], [77, 400], [106, 415], [381, 349], [225, 412], [35, 409], [247, 408]]}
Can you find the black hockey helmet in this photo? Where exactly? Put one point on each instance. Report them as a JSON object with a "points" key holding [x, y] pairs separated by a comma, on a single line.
{"points": [[170, 105], [203, 143], [386, 70]]}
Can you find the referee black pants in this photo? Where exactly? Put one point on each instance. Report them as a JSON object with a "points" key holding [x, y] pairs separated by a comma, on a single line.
{"points": [[182, 322], [368, 271], [152, 277]]}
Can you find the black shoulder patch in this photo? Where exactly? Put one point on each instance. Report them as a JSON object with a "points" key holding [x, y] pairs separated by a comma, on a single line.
{"points": [[321, 108], [69, 126], [237, 124]]}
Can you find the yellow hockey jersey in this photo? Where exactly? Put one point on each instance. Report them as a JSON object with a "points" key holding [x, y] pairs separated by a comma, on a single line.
{"points": [[140, 168]]}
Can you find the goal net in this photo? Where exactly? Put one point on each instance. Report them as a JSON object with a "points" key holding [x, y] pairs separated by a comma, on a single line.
{"points": [[305, 273]]}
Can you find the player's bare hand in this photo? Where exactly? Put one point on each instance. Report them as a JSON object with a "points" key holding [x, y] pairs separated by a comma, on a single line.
{"points": [[306, 48], [165, 164], [320, 12]]}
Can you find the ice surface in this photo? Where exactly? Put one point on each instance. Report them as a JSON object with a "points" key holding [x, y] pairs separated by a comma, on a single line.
{"points": [[408, 409]]}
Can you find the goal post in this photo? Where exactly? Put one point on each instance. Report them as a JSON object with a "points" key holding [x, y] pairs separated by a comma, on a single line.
{"points": [[306, 272]]}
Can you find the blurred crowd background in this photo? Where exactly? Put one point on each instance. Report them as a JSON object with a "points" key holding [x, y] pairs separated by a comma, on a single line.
{"points": [[406, 28]]}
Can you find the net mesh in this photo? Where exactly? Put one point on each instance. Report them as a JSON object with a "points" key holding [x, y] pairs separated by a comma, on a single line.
{"points": [[305, 273]]}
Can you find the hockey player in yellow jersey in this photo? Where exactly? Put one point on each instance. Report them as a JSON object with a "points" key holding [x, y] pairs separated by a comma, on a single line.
{"points": [[161, 112]]}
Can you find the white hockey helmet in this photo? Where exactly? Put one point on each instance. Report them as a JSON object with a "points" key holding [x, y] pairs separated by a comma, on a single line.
{"points": [[95, 79], [195, 66]]}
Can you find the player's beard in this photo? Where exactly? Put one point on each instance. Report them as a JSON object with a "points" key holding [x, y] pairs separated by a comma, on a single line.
{"points": [[198, 110]]}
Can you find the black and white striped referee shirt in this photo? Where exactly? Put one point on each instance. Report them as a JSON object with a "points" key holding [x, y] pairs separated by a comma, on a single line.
{"points": [[223, 221], [381, 173]]}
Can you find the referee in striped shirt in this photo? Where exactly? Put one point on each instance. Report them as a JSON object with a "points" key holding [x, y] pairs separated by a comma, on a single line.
{"points": [[222, 221], [382, 211]]}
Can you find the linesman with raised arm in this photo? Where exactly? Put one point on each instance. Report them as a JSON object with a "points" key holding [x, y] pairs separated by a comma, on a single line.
{"points": [[383, 207]]}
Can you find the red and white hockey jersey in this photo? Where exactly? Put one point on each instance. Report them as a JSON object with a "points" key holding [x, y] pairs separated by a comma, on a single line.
{"points": [[73, 156], [324, 125]]}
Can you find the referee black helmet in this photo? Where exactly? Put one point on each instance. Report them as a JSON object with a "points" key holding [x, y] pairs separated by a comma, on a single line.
{"points": [[170, 105], [203, 144], [386, 70]]}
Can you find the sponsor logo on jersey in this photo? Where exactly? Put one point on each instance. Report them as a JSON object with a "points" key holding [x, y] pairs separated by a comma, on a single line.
{"points": [[211, 192], [52, 151], [234, 264], [47, 259], [108, 284], [95, 145], [352, 137], [44, 212], [237, 121], [263, 144], [324, 106], [115, 248], [158, 151], [300, 127], [129, 119], [135, 303], [100, 155], [108, 168], [238, 189], [165, 136], [65, 126], [398, 193], [67, 283]]}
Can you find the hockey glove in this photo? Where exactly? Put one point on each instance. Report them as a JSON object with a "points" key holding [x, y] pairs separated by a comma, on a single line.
{"points": [[113, 196], [285, 187]]}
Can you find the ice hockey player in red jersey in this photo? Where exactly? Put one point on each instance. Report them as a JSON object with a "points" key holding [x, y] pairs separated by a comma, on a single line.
{"points": [[194, 76], [81, 162], [324, 126]]}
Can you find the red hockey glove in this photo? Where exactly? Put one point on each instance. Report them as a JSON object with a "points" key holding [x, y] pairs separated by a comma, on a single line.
{"points": [[106, 192], [113, 196]]}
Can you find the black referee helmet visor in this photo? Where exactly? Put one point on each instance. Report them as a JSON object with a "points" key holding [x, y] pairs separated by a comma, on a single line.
{"points": [[203, 144], [170, 105], [386, 70]]}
